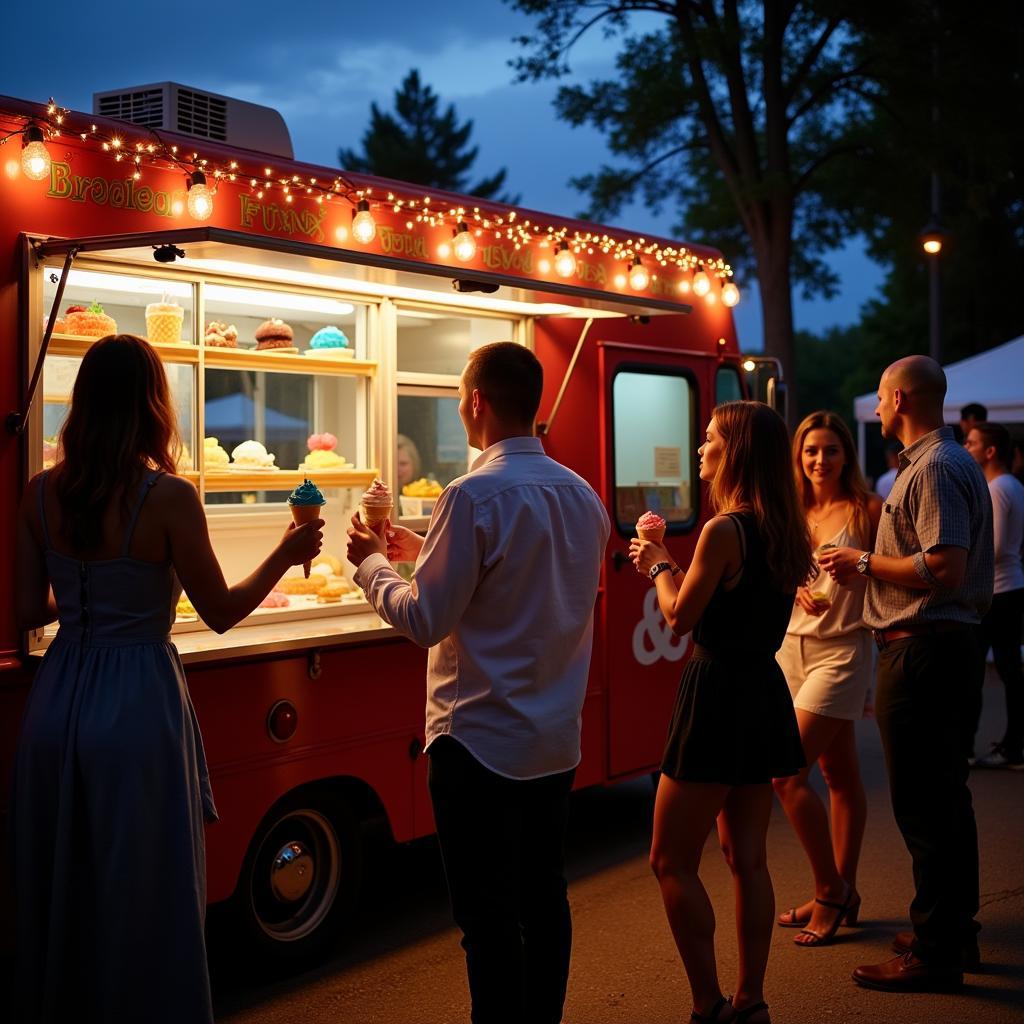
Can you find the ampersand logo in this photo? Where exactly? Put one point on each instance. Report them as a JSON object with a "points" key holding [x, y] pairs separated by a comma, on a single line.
{"points": [[653, 638]]}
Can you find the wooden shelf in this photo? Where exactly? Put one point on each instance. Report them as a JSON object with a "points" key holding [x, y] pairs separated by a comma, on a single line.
{"points": [[285, 362], [76, 345], [286, 479]]}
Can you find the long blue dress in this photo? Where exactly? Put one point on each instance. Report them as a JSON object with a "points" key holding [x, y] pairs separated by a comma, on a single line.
{"points": [[111, 790]]}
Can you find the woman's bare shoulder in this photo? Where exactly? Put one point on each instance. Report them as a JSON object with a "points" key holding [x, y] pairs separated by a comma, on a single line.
{"points": [[175, 491]]}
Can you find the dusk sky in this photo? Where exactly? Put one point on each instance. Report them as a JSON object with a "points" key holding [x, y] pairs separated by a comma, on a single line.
{"points": [[321, 68]]}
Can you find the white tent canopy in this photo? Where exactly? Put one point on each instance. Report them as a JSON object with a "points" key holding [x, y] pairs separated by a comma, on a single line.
{"points": [[995, 378]]}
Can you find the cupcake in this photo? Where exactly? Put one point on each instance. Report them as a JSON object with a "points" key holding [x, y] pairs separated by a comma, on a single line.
{"points": [[89, 322], [252, 455], [322, 454], [214, 457], [163, 322], [330, 342], [220, 335], [274, 334]]}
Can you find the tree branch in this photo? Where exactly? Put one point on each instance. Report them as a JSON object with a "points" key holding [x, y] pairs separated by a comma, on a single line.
{"points": [[826, 87], [810, 59], [815, 165]]}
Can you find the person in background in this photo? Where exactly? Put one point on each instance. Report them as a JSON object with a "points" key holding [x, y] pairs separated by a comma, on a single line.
{"points": [[408, 464], [733, 728], [111, 787], [991, 447], [504, 591], [971, 414], [827, 658], [929, 584], [883, 485]]}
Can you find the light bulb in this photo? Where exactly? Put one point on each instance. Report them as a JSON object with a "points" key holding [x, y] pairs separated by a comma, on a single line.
{"points": [[565, 261], [639, 277], [464, 243], [730, 294], [932, 246], [364, 227], [701, 283], [35, 158], [749, 365], [200, 199]]}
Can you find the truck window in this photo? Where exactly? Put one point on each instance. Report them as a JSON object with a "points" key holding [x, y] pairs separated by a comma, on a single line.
{"points": [[727, 385], [655, 448]]}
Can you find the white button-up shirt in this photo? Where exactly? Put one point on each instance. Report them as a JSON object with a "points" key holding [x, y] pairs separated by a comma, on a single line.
{"points": [[503, 595]]}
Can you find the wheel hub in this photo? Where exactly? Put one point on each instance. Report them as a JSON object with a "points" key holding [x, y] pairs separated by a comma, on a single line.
{"points": [[292, 872]]}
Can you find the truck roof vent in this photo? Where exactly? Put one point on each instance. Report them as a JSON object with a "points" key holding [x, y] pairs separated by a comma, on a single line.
{"points": [[201, 114], [140, 106]]}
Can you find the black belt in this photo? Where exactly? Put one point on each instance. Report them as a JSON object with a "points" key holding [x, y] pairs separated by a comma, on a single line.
{"points": [[884, 637]]}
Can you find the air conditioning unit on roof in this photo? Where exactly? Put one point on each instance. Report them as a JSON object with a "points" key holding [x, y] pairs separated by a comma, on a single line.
{"points": [[201, 114]]}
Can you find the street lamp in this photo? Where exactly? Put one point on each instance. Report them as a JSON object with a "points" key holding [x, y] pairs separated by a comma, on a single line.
{"points": [[932, 240]]}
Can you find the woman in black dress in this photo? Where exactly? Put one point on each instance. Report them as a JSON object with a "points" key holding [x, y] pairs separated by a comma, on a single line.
{"points": [[733, 727]]}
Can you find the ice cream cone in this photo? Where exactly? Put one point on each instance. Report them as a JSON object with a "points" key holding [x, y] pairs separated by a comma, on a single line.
{"points": [[305, 514], [374, 514], [657, 535]]}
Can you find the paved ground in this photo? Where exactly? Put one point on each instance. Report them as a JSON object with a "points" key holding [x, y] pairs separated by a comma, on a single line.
{"points": [[403, 963]]}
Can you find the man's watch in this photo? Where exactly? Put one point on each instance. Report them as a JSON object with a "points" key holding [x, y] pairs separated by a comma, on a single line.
{"points": [[659, 568], [863, 564]]}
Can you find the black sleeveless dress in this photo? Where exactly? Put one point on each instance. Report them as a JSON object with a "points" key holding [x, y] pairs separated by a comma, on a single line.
{"points": [[733, 721]]}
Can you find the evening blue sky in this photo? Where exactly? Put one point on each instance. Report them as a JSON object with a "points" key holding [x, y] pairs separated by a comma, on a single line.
{"points": [[321, 68]]}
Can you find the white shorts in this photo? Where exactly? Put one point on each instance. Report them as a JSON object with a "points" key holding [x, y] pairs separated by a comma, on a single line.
{"points": [[828, 677]]}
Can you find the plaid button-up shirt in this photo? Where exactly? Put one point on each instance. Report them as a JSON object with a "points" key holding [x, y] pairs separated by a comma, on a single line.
{"points": [[939, 498]]}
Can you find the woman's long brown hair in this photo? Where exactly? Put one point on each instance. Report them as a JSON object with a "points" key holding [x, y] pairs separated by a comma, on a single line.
{"points": [[121, 423], [852, 485], [754, 474]]}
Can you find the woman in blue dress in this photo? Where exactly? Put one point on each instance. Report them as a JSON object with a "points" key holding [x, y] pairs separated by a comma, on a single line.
{"points": [[111, 789], [733, 728]]}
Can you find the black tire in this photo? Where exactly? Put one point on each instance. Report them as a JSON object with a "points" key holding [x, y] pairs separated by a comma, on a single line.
{"points": [[300, 879]]}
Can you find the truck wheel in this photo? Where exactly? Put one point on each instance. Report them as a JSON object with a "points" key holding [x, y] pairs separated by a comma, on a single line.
{"points": [[301, 876]]}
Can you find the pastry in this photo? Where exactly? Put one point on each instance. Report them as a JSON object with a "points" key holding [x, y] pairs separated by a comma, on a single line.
{"points": [[331, 561], [377, 504], [214, 457], [184, 611], [322, 454], [274, 334], [163, 322], [89, 322], [331, 594], [252, 455], [330, 342], [220, 335], [301, 585], [422, 488], [275, 599], [651, 526]]}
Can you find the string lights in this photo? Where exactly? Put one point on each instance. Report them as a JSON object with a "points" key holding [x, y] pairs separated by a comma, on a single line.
{"points": [[559, 248]]}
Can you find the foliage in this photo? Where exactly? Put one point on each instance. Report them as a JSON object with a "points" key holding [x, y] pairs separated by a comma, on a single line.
{"points": [[419, 143]]}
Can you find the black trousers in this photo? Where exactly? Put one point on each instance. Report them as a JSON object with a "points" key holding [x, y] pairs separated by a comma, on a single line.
{"points": [[1001, 630], [924, 692], [502, 844]]}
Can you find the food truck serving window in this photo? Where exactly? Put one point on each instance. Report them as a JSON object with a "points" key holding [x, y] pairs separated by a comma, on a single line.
{"points": [[727, 385], [654, 447]]}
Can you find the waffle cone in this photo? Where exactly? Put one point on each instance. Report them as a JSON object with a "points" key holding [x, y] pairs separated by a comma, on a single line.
{"points": [[657, 536], [374, 515], [305, 514]]}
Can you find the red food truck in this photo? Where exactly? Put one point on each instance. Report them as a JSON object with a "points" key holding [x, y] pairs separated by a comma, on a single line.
{"points": [[370, 293]]}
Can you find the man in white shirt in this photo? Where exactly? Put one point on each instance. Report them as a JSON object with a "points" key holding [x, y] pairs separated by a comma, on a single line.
{"points": [[883, 485], [992, 448], [503, 595]]}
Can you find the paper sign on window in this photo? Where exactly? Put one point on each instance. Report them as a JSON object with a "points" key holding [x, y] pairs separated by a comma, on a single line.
{"points": [[668, 463]]}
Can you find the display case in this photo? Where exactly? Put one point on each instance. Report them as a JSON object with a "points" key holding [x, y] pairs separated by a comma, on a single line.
{"points": [[256, 415]]}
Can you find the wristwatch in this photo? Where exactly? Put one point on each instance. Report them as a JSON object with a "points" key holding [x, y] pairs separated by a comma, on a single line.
{"points": [[863, 564], [659, 568]]}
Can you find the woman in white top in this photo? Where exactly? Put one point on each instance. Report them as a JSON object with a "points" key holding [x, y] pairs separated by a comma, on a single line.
{"points": [[827, 659]]}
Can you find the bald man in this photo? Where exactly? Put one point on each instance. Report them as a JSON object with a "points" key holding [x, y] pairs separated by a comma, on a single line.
{"points": [[929, 582]]}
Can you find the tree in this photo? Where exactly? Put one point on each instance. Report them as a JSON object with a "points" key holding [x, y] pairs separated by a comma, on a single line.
{"points": [[420, 144], [728, 111]]}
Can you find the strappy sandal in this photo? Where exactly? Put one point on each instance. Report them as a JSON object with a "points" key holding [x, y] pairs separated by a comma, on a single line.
{"points": [[748, 1011], [847, 911], [714, 1017], [794, 921]]}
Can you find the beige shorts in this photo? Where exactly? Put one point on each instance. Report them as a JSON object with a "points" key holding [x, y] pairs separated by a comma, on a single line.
{"points": [[828, 677]]}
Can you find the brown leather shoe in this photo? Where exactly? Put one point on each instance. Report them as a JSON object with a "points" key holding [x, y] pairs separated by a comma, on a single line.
{"points": [[970, 956], [908, 974]]}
